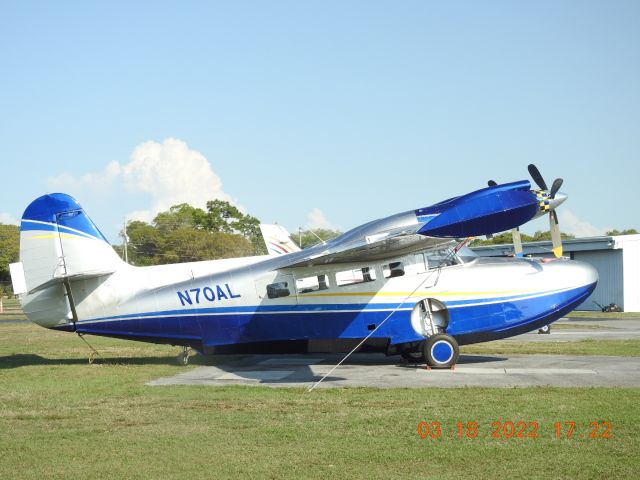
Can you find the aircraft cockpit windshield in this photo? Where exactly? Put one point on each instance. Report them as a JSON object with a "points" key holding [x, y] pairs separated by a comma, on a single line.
{"points": [[447, 257], [466, 255]]}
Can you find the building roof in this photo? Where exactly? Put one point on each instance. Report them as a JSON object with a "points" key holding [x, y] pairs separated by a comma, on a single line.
{"points": [[569, 245]]}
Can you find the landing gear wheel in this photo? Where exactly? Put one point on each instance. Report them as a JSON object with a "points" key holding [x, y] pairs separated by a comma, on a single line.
{"points": [[183, 357], [413, 357], [441, 351], [546, 329]]}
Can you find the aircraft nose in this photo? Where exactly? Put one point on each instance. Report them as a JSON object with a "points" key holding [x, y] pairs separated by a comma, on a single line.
{"points": [[556, 201], [584, 271], [573, 272]]}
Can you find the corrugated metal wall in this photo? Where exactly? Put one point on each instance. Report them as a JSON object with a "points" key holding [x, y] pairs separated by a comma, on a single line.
{"points": [[610, 287], [632, 276]]}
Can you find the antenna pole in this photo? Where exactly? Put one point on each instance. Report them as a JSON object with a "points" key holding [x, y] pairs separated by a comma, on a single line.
{"points": [[124, 234]]}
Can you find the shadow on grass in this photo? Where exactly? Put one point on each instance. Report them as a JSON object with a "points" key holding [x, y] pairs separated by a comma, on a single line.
{"points": [[28, 359], [24, 360]]}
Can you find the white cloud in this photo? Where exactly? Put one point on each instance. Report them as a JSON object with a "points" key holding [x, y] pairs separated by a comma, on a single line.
{"points": [[8, 219], [96, 182], [317, 219], [169, 172], [570, 223], [172, 173]]}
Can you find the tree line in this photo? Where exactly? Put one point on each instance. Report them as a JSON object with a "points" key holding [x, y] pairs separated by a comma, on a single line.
{"points": [[538, 236], [188, 234]]}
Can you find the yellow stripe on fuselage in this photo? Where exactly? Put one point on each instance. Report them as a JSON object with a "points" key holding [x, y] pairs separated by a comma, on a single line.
{"points": [[414, 294], [55, 235]]}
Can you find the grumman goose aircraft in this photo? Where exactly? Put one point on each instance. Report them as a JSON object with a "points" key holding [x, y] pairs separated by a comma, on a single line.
{"points": [[404, 284]]}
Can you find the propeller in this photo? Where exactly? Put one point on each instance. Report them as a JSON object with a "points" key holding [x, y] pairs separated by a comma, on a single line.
{"points": [[535, 174], [517, 242], [550, 194], [557, 183], [554, 228], [556, 238]]}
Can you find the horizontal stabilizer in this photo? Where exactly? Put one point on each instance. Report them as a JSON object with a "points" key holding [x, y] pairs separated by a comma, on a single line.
{"points": [[60, 280]]}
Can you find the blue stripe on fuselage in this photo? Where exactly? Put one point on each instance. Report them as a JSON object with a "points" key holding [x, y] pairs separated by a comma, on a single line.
{"points": [[228, 325]]}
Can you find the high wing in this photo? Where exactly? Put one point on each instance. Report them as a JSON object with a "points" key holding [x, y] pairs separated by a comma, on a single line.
{"points": [[393, 243], [490, 210]]}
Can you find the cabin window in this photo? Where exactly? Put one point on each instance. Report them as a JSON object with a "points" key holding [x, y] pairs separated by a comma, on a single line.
{"points": [[443, 257], [421, 263], [393, 269], [358, 275], [312, 284], [277, 290]]}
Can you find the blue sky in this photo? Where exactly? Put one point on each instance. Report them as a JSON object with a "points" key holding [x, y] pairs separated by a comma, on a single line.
{"points": [[318, 113]]}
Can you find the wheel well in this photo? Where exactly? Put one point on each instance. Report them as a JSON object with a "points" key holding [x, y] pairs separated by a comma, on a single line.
{"points": [[429, 317]]}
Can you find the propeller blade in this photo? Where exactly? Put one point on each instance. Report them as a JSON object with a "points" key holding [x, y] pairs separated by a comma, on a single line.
{"points": [[556, 239], [535, 174], [557, 183], [517, 242], [492, 183]]}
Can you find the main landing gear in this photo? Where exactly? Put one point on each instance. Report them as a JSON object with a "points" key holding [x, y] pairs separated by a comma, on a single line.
{"points": [[437, 351], [441, 351]]}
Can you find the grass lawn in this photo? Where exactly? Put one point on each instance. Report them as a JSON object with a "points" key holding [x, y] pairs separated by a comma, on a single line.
{"points": [[577, 326], [604, 315], [63, 418], [11, 310], [627, 348]]}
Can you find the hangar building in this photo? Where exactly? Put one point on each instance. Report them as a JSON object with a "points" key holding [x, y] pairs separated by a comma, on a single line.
{"points": [[616, 258]]}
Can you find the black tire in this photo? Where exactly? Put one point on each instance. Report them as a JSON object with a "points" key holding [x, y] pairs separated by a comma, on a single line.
{"points": [[413, 357], [441, 351], [545, 330]]}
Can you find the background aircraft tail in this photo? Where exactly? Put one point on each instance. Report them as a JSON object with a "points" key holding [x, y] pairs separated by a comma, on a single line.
{"points": [[278, 240]]}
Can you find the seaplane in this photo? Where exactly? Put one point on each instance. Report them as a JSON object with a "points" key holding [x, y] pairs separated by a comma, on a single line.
{"points": [[404, 285]]}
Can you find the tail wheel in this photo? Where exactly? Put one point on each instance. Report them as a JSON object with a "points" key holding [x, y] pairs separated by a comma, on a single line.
{"points": [[545, 329], [441, 351]]}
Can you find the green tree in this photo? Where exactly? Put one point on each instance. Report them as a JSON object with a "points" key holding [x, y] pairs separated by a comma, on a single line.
{"points": [[186, 234], [506, 237], [314, 236], [145, 245], [629, 231], [9, 253], [180, 216], [225, 218]]}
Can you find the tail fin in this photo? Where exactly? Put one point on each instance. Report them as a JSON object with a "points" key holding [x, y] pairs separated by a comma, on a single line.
{"points": [[277, 240], [59, 241]]}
